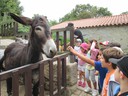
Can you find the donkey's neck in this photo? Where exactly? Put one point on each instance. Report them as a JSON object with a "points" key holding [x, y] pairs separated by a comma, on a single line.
{"points": [[34, 53]]}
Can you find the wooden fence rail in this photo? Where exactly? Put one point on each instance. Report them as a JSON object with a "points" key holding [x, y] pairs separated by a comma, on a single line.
{"points": [[27, 70]]}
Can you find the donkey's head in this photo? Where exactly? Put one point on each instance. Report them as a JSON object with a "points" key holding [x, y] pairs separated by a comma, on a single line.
{"points": [[40, 36]]}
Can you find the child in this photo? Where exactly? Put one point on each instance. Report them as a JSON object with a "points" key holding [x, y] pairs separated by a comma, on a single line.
{"points": [[113, 85], [121, 74], [77, 47], [90, 70], [81, 64], [109, 53], [97, 64], [103, 65]]}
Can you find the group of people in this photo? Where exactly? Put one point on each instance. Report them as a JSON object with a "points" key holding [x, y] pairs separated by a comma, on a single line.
{"points": [[108, 61], [87, 70]]}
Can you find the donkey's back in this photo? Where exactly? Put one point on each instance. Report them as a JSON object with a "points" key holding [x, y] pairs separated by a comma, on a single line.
{"points": [[14, 56]]}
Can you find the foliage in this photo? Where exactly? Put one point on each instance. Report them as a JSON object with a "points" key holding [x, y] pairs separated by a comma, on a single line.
{"points": [[85, 11], [86, 40], [125, 12], [10, 6], [53, 22], [23, 28], [60, 37], [54, 35], [7, 6]]}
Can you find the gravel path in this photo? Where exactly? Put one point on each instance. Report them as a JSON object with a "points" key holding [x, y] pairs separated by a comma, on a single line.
{"points": [[5, 42]]}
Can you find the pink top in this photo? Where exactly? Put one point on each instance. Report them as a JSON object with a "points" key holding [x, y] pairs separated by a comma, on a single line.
{"points": [[81, 62], [94, 51]]}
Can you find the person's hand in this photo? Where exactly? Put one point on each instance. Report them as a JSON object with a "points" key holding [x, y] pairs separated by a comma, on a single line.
{"points": [[70, 48], [96, 73]]}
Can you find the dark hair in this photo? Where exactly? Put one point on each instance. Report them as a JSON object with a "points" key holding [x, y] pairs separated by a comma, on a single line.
{"points": [[114, 66], [91, 41], [70, 24], [79, 34]]}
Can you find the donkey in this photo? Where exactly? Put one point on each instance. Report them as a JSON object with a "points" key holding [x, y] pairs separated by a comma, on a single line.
{"points": [[40, 41]]}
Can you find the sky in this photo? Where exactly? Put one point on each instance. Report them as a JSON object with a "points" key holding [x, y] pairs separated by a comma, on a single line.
{"points": [[55, 9]]}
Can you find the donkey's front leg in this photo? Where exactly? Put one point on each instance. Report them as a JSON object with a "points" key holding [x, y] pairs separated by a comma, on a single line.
{"points": [[35, 91], [9, 86], [35, 81]]}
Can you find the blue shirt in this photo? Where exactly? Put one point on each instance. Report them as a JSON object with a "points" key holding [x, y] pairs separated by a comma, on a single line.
{"points": [[102, 72]]}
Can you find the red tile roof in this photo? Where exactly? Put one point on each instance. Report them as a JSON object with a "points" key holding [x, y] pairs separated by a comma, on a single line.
{"points": [[95, 22]]}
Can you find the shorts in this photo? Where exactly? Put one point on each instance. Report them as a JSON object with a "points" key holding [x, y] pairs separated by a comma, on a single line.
{"points": [[81, 68], [91, 74]]}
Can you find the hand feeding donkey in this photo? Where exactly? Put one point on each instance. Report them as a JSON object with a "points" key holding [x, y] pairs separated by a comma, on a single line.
{"points": [[40, 41]]}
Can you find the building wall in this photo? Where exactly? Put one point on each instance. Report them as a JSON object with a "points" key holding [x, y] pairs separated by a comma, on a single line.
{"points": [[111, 33]]}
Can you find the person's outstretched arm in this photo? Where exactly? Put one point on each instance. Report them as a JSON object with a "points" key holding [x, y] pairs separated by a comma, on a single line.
{"points": [[84, 58]]}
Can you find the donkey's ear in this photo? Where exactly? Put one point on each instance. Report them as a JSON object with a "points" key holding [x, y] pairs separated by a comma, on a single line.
{"points": [[21, 19]]}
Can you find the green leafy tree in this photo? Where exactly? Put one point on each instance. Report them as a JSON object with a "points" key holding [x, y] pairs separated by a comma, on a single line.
{"points": [[7, 6], [53, 22], [10, 6], [125, 12], [83, 11], [23, 28]]}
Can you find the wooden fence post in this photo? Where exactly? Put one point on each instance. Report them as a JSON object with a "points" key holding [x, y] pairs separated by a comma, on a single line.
{"points": [[71, 28]]}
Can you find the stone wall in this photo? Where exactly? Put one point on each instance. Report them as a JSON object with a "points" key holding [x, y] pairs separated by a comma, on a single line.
{"points": [[71, 78], [110, 33]]}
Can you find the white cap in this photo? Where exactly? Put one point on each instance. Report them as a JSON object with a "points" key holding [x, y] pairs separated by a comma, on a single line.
{"points": [[78, 40], [119, 49]]}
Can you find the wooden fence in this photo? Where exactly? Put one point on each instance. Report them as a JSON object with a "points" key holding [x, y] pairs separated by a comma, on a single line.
{"points": [[8, 27], [28, 69]]}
